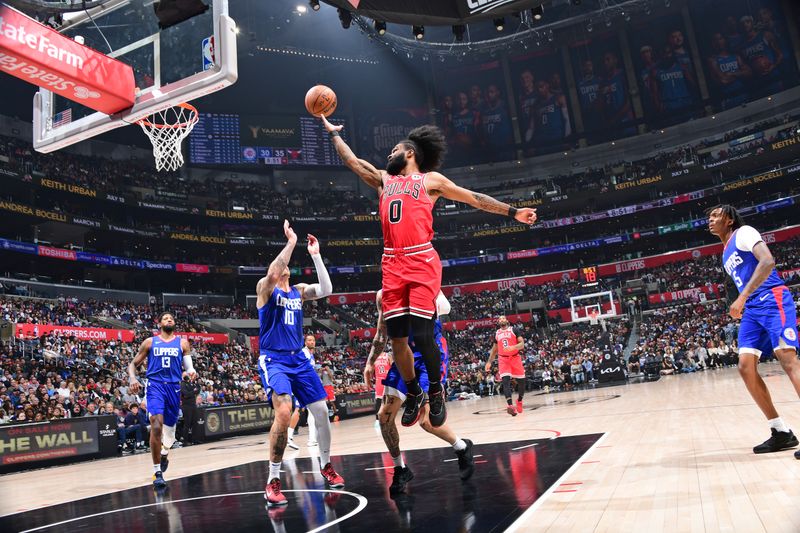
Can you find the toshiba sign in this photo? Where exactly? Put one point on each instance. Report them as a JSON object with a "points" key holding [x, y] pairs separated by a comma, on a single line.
{"points": [[44, 57]]}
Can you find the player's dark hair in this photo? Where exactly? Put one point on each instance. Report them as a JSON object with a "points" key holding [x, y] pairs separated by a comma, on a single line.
{"points": [[162, 315], [730, 212], [429, 147]]}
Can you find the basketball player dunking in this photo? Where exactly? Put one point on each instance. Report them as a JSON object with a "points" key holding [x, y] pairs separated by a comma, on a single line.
{"points": [[412, 271], [507, 344], [395, 392], [166, 356], [283, 366], [767, 313]]}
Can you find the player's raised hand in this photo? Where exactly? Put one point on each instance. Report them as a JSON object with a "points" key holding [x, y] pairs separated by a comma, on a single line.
{"points": [[526, 215], [291, 236], [313, 245], [329, 126]]}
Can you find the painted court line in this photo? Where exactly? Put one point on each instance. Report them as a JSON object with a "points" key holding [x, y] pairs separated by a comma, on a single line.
{"points": [[526, 446], [518, 524], [456, 458], [380, 468], [362, 503]]}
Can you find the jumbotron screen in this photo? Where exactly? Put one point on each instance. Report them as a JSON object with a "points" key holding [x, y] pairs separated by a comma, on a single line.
{"points": [[275, 140]]}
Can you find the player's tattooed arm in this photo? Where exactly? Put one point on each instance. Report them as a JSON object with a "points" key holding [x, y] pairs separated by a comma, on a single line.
{"points": [[265, 285], [439, 185], [141, 356], [364, 169]]}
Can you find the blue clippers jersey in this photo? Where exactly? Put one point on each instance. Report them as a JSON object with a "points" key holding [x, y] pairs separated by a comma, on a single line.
{"points": [[497, 125], [550, 125], [673, 87], [587, 92], [740, 264], [728, 64], [281, 322], [758, 46], [615, 95], [165, 360]]}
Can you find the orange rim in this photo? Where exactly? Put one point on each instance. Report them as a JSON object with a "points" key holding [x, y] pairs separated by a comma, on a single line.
{"points": [[192, 119]]}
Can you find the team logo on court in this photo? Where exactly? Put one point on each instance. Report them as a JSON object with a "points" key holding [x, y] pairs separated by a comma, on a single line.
{"points": [[790, 334], [84, 94], [212, 422]]}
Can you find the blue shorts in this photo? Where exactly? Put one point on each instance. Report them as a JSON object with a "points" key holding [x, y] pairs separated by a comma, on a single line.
{"points": [[291, 375], [393, 384], [769, 323], [164, 399]]}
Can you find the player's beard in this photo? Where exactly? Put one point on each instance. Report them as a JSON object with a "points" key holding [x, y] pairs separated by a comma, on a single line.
{"points": [[168, 329], [396, 164]]}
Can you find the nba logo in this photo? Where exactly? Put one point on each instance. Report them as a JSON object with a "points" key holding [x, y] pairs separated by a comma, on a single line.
{"points": [[208, 53]]}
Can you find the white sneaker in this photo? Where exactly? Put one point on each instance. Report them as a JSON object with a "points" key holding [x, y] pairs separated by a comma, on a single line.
{"points": [[292, 444], [312, 443]]}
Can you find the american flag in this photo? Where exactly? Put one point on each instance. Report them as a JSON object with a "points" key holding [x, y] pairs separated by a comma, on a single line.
{"points": [[65, 117]]}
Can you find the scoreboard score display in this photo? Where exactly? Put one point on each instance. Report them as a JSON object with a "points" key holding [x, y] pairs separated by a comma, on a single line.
{"points": [[588, 276], [272, 140]]}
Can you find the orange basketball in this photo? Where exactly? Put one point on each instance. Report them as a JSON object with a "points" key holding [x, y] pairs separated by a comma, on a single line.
{"points": [[321, 100]]}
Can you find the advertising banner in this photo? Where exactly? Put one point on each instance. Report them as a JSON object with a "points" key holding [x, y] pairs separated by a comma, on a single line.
{"points": [[46, 443], [29, 331], [352, 405], [233, 420], [686, 294], [40, 55]]}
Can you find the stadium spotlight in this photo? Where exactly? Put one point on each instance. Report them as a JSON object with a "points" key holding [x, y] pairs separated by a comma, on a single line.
{"points": [[380, 27], [419, 32], [458, 31], [538, 12], [499, 24], [345, 18], [314, 5]]}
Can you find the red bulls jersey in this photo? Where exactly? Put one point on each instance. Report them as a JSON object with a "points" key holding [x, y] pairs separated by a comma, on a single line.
{"points": [[406, 213], [506, 341]]}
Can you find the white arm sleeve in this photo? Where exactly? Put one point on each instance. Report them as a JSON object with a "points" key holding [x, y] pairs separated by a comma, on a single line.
{"points": [[442, 305], [324, 287], [187, 363], [747, 237]]}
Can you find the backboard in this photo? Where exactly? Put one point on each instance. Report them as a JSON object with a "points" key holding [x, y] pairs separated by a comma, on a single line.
{"points": [[171, 66], [593, 307]]}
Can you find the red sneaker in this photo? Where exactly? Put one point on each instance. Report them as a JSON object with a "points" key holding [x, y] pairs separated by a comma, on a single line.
{"points": [[273, 494], [511, 410], [334, 480], [519, 406]]}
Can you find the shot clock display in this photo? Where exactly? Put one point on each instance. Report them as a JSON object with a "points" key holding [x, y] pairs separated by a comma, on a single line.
{"points": [[588, 276]]}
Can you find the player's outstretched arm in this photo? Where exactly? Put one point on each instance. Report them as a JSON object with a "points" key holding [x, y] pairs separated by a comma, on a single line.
{"points": [[364, 169], [492, 357], [266, 285], [141, 355], [324, 288], [439, 185]]}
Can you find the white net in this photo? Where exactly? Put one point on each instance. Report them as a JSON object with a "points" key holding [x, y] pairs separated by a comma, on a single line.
{"points": [[167, 129]]}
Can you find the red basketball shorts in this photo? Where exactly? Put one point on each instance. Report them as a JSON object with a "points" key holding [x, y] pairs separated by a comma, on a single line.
{"points": [[511, 365], [412, 279]]}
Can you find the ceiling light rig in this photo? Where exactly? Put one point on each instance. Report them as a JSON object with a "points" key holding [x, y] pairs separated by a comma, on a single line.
{"points": [[530, 27]]}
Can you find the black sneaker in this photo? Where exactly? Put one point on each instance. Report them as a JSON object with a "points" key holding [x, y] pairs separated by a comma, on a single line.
{"points": [[780, 440], [438, 411], [797, 454], [413, 408], [164, 463], [158, 481], [401, 478], [466, 464]]}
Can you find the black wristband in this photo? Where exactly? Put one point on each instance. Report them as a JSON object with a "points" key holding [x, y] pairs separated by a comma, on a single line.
{"points": [[512, 212], [333, 133]]}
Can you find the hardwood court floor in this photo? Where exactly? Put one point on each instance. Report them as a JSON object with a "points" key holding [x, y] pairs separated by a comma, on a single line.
{"points": [[676, 456]]}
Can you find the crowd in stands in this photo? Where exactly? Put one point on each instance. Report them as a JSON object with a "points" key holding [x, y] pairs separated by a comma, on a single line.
{"points": [[97, 173]]}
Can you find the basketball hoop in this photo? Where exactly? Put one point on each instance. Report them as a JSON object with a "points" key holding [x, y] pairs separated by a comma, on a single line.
{"points": [[167, 129], [593, 317]]}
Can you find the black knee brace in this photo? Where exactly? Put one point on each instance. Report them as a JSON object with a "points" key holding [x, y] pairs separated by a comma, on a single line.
{"points": [[425, 343]]}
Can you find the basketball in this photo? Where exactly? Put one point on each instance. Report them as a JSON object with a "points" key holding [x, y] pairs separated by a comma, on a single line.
{"points": [[321, 101]]}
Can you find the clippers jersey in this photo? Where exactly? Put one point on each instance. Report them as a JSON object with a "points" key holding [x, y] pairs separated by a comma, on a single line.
{"points": [[441, 342], [281, 322], [506, 342], [728, 64], [406, 213], [165, 360], [740, 263], [550, 125]]}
